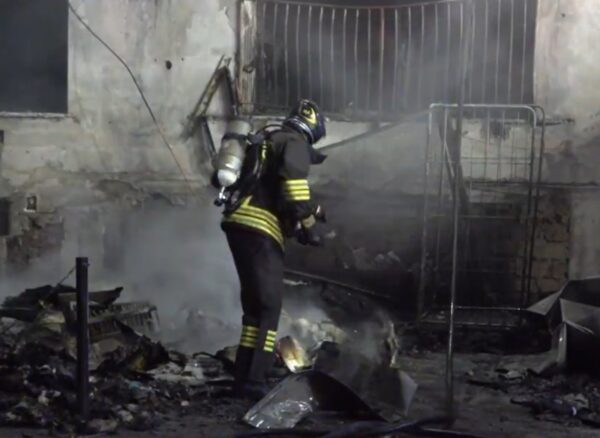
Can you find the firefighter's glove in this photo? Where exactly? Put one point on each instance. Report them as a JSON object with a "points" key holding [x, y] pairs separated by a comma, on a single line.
{"points": [[308, 234]]}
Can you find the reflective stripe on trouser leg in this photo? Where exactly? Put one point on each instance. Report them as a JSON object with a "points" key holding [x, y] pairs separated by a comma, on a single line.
{"points": [[269, 345], [246, 350], [249, 338], [263, 357]]}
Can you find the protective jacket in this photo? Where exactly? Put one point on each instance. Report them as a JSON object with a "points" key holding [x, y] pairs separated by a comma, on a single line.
{"points": [[281, 197]]}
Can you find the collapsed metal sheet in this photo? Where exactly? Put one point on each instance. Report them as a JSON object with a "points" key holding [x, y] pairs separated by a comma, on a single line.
{"points": [[386, 390], [573, 314], [299, 395], [341, 380]]}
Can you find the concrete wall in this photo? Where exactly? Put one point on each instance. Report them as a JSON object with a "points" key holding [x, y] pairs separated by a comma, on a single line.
{"points": [[105, 155], [585, 240], [567, 72], [567, 79], [108, 134], [107, 150]]}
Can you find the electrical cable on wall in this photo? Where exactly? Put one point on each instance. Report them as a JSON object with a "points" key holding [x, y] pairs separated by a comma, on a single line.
{"points": [[141, 92]]}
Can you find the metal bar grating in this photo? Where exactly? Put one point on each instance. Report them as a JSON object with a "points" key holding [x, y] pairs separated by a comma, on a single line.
{"points": [[499, 171], [384, 61]]}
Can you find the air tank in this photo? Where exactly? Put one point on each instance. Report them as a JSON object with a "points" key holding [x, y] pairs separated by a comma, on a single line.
{"points": [[232, 152]]}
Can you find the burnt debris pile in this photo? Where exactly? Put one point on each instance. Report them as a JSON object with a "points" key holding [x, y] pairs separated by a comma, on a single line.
{"points": [[133, 378]]}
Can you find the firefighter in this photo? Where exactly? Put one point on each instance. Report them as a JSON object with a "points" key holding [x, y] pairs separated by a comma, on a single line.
{"points": [[279, 205]]}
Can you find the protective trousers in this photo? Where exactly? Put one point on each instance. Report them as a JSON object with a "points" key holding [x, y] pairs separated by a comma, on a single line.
{"points": [[259, 264]]}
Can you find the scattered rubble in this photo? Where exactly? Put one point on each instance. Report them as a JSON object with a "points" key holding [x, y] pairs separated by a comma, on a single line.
{"points": [[565, 386], [133, 378], [573, 316], [567, 399], [301, 395]]}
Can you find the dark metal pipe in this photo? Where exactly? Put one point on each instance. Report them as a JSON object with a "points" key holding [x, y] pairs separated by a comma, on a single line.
{"points": [[497, 72], [356, 21], [436, 49], [472, 58], [528, 221], [83, 339], [381, 58], [444, 158], [486, 22], [396, 48], [534, 225], [421, 59], [321, 85], [464, 48], [408, 62], [524, 58], [286, 28], [421, 290], [344, 26], [298, 75], [262, 93], [275, 60], [511, 50], [309, 52], [332, 61], [318, 278], [368, 104], [447, 96]]}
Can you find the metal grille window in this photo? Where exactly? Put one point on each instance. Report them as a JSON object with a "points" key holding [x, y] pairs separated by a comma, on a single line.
{"points": [[382, 61]]}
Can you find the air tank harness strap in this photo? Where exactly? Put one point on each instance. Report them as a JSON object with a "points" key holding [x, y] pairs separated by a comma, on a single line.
{"points": [[233, 136]]}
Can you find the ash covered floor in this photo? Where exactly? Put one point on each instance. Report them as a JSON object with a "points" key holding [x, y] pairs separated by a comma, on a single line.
{"points": [[482, 411], [171, 394]]}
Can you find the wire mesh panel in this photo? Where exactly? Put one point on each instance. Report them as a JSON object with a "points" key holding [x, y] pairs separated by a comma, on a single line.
{"points": [[497, 166], [383, 61]]}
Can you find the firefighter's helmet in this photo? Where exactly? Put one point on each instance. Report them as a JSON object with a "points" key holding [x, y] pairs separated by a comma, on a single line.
{"points": [[306, 118]]}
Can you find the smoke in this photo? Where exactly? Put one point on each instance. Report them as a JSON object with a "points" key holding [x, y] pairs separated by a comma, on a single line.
{"points": [[177, 258]]}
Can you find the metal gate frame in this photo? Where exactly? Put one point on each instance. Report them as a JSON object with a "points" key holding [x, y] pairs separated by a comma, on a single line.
{"points": [[525, 184]]}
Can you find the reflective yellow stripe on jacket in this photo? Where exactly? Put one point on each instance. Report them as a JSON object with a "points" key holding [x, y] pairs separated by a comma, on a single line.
{"points": [[296, 190], [257, 218]]}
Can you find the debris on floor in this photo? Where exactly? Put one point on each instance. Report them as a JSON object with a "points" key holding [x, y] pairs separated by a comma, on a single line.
{"points": [[573, 316], [341, 380], [133, 376], [562, 398], [300, 395]]}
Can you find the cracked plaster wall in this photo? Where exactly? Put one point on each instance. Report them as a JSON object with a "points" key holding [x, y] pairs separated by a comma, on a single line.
{"points": [[105, 157], [567, 77], [106, 153]]}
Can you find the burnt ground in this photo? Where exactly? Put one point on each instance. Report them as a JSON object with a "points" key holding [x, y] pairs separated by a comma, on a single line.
{"points": [[482, 411], [490, 374]]}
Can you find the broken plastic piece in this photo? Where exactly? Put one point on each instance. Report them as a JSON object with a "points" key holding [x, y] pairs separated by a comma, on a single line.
{"points": [[298, 396]]}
